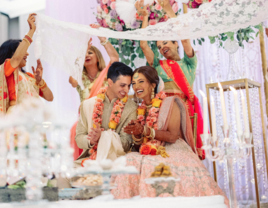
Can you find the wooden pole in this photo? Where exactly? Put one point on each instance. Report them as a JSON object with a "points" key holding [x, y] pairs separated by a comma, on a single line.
{"points": [[264, 67]]}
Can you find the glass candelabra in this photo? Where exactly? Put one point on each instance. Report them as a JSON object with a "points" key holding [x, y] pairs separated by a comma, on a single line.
{"points": [[228, 153]]}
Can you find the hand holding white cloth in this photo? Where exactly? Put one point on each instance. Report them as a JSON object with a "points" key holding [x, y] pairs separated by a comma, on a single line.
{"points": [[109, 146]]}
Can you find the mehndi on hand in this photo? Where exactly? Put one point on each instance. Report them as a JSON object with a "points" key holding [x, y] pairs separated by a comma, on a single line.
{"points": [[134, 128]]}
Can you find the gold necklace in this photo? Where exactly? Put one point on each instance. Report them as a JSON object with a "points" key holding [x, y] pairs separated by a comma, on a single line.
{"points": [[92, 78], [148, 107]]}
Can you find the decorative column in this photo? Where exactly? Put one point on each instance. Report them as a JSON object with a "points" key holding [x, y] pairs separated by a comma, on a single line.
{"points": [[264, 67]]}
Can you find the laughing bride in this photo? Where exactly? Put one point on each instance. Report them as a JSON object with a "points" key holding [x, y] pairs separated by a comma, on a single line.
{"points": [[163, 134]]}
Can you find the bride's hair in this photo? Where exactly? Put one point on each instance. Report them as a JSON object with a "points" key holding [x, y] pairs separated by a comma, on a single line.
{"points": [[150, 74]]}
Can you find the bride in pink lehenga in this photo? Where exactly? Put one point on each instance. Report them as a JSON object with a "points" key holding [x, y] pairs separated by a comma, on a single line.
{"points": [[172, 127]]}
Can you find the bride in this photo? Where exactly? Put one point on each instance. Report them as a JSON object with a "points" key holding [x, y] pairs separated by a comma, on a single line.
{"points": [[163, 134]]}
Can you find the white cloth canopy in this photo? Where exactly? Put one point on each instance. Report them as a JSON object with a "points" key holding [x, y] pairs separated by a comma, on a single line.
{"points": [[64, 44]]}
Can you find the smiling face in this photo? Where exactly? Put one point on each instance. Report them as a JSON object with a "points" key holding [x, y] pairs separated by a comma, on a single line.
{"points": [[91, 58], [168, 49], [142, 87], [120, 87], [24, 60]]}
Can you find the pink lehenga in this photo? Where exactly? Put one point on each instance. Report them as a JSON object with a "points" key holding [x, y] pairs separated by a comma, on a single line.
{"points": [[184, 163]]}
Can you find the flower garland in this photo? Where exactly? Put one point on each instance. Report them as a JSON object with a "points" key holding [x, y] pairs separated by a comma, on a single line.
{"points": [[194, 4], [116, 114], [148, 146], [108, 17]]}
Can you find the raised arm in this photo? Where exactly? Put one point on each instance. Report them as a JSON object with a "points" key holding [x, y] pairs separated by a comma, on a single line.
{"points": [[112, 53], [24, 45], [171, 14], [142, 11], [38, 74]]}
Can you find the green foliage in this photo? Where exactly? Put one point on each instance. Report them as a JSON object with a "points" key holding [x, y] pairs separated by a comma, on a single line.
{"points": [[18, 185], [128, 50], [241, 35]]}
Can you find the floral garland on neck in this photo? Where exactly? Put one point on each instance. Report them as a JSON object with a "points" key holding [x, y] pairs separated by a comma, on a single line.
{"points": [[148, 146], [151, 120], [116, 114]]}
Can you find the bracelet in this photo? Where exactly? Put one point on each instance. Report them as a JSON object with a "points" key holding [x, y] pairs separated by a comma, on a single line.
{"points": [[105, 42], [42, 86], [153, 132], [144, 131], [28, 38], [137, 141], [27, 41], [90, 145]]}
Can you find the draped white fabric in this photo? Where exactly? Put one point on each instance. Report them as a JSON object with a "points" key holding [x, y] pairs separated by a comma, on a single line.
{"points": [[210, 19], [66, 99]]}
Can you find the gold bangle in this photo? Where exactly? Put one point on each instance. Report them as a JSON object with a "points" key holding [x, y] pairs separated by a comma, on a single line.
{"points": [[144, 131], [136, 139], [153, 131], [150, 136], [28, 38], [42, 86], [27, 41]]}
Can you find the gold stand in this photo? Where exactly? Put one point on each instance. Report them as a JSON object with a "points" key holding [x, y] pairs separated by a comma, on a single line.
{"points": [[264, 66], [243, 84]]}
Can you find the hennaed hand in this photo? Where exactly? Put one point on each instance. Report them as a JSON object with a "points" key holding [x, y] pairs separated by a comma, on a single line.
{"points": [[38, 72], [134, 127]]}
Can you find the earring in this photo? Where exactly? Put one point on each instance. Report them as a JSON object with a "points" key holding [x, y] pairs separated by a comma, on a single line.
{"points": [[152, 95]]}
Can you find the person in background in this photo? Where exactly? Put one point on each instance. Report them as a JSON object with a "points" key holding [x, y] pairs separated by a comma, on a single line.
{"points": [[177, 73], [16, 84], [93, 77]]}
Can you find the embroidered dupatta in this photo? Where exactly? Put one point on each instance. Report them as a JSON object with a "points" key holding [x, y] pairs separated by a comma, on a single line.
{"points": [[173, 70], [4, 97]]}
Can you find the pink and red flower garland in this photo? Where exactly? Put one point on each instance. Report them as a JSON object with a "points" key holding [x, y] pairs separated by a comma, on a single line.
{"points": [[149, 147], [116, 114]]}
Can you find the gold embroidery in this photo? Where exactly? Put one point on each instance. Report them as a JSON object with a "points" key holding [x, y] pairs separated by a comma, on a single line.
{"points": [[170, 74]]}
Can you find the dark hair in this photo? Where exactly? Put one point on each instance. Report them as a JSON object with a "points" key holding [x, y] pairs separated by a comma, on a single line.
{"points": [[7, 50], [150, 74], [117, 69]]}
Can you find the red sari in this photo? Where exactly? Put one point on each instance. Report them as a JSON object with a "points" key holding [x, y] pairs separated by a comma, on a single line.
{"points": [[174, 71]]}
